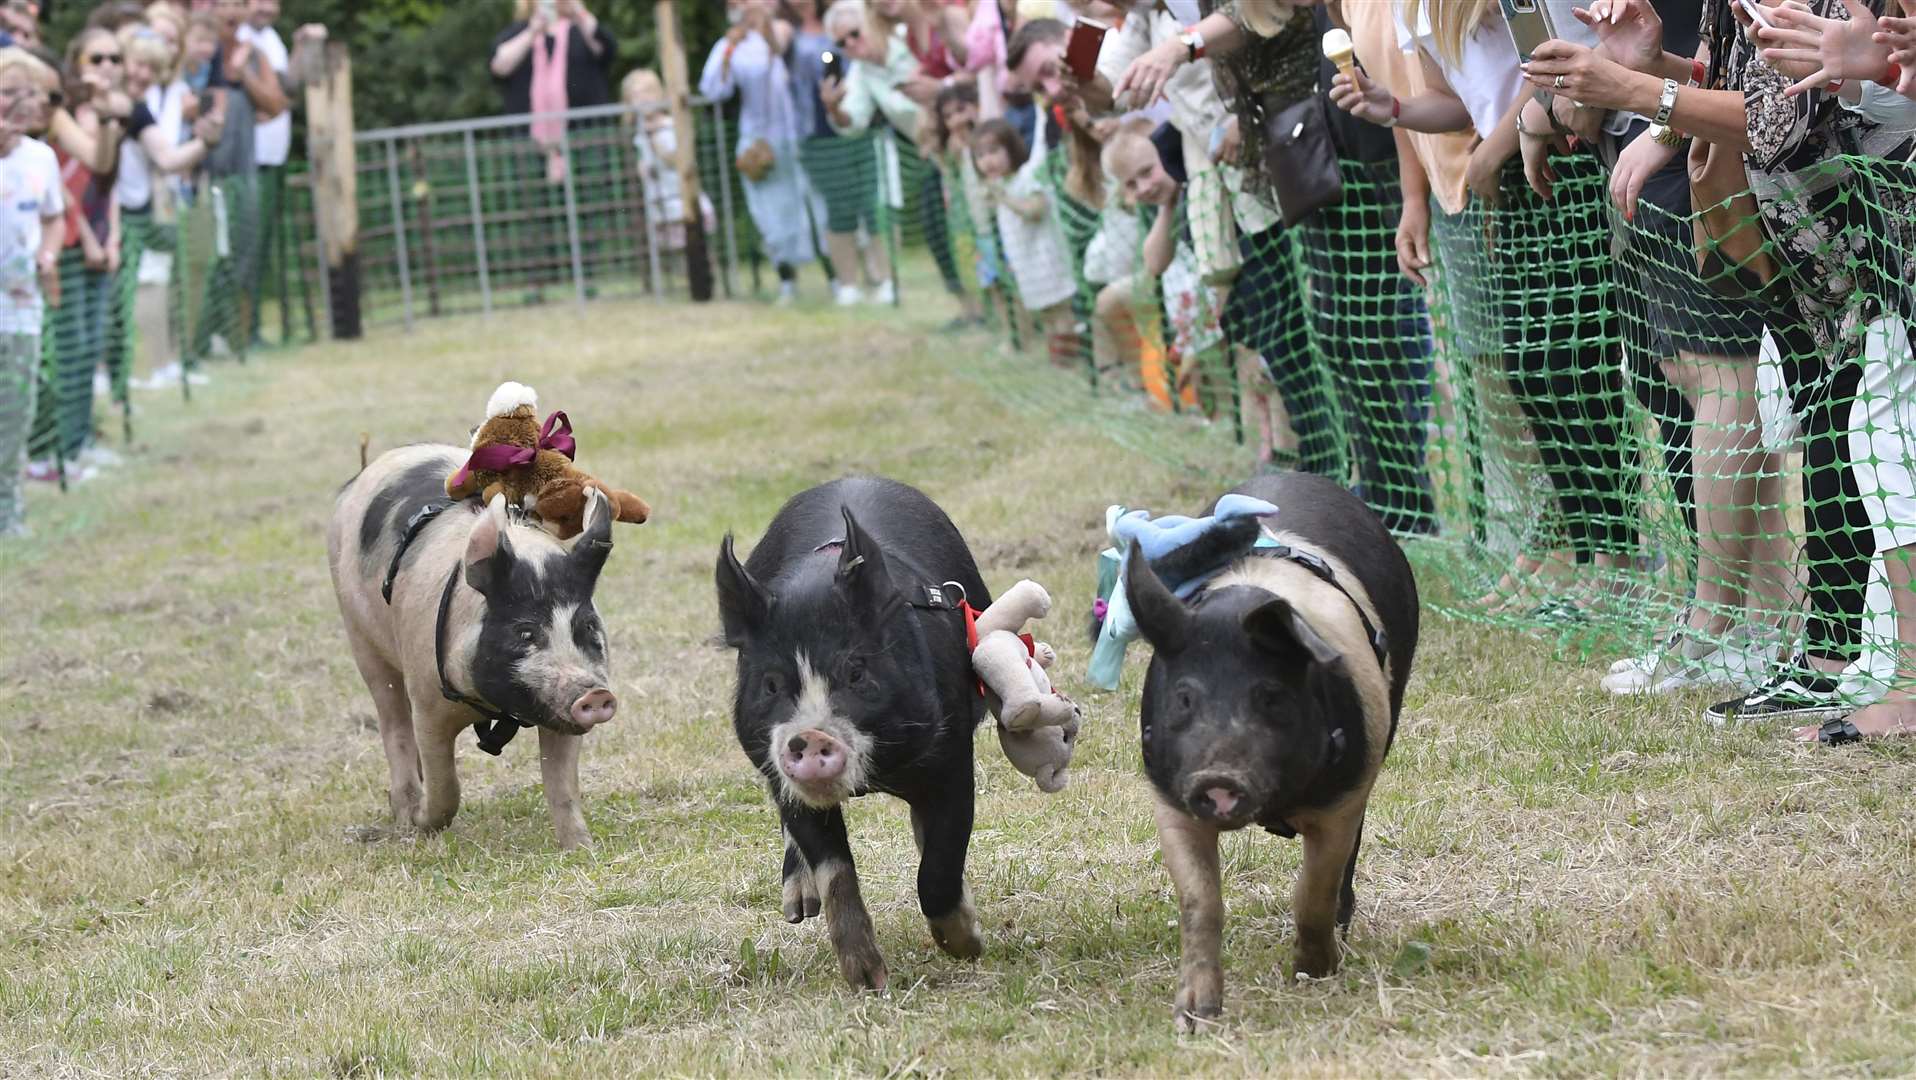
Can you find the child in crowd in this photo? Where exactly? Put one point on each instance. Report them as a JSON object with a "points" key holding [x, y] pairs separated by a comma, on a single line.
{"points": [[657, 143], [1192, 307], [32, 209], [1028, 230], [946, 141], [196, 57]]}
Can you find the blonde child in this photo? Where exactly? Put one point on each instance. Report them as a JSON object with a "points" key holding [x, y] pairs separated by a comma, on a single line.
{"points": [[1028, 231], [657, 143], [1192, 307]]}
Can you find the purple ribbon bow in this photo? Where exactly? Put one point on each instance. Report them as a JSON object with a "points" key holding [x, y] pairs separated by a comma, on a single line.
{"points": [[503, 457]]}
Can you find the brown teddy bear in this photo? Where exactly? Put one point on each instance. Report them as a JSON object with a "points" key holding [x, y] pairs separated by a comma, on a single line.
{"points": [[532, 466]]}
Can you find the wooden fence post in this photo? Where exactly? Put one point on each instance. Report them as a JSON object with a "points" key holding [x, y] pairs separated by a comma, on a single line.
{"points": [[329, 142], [678, 89]]}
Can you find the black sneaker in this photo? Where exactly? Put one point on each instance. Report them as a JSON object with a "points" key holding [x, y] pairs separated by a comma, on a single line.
{"points": [[1794, 691]]}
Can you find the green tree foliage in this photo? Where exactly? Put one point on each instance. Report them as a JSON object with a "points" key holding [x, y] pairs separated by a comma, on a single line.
{"points": [[422, 60]]}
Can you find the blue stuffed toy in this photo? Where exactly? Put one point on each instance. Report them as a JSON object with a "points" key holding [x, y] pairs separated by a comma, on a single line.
{"points": [[1185, 552]]}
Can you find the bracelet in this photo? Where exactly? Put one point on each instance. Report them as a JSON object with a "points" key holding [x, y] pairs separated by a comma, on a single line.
{"points": [[1891, 75], [1698, 72], [1396, 112]]}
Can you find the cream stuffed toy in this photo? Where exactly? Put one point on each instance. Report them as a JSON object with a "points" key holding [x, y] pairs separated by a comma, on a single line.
{"points": [[1036, 724]]}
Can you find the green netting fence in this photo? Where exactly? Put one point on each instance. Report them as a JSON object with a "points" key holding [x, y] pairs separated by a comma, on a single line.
{"points": [[1575, 433]]}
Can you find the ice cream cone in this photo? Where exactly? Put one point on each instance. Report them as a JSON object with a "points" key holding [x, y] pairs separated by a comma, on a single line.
{"points": [[1339, 50]]}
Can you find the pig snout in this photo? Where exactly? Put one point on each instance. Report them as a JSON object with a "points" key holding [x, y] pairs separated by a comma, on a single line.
{"points": [[812, 758], [594, 707], [1219, 798]]}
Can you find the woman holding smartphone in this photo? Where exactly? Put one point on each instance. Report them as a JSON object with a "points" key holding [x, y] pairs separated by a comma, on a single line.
{"points": [[1547, 265], [1840, 318]]}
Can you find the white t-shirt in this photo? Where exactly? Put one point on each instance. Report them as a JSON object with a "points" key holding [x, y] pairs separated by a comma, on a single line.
{"points": [[30, 194], [1489, 80], [272, 139]]}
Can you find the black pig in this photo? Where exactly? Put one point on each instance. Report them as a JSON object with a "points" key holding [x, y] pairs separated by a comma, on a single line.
{"points": [[1271, 700], [854, 676]]}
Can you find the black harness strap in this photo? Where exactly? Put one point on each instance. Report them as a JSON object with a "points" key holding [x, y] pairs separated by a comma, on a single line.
{"points": [[1323, 572], [498, 728], [414, 525]]}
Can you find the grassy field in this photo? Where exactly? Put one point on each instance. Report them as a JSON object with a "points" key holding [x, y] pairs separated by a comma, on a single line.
{"points": [[196, 875]]}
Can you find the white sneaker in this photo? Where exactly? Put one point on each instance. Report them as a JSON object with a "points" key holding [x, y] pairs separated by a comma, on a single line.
{"points": [[886, 294], [849, 295], [787, 294], [1685, 663], [101, 456]]}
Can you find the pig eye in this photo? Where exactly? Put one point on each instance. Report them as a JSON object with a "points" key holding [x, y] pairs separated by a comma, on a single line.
{"points": [[855, 673], [1184, 699], [771, 685]]}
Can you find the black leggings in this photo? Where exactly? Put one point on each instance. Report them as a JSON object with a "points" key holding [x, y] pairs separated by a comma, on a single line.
{"points": [[1265, 314], [1555, 290], [1837, 543], [1371, 327]]}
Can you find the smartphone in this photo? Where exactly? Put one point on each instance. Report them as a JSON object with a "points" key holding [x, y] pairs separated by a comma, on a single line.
{"points": [[1756, 15], [1533, 22], [834, 65], [1081, 50]]}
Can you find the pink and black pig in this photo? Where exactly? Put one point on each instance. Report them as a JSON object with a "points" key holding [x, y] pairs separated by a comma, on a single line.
{"points": [[854, 677], [461, 615], [1271, 700]]}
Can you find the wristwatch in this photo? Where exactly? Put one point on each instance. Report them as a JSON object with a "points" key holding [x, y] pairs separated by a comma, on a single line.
{"points": [[1193, 43], [1660, 129]]}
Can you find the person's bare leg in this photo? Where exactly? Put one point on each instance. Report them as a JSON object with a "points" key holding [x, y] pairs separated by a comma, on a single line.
{"points": [[843, 248], [1726, 458], [1510, 437], [1115, 314]]}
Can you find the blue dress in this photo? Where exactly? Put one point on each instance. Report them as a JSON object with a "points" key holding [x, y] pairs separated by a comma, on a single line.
{"points": [[778, 202]]}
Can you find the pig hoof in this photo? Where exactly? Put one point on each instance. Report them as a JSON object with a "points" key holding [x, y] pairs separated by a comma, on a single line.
{"points": [[864, 969], [957, 934], [1317, 960], [800, 899], [1189, 1018]]}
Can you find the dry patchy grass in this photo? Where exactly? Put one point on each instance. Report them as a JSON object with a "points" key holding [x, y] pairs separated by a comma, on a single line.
{"points": [[195, 877]]}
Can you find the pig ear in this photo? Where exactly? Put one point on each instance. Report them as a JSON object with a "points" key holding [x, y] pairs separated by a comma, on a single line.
{"points": [[594, 543], [488, 551], [1282, 632], [1164, 619], [861, 567], [744, 605]]}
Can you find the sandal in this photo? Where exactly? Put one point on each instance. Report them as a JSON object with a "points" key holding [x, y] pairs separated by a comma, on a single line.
{"points": [[1838, 732]]}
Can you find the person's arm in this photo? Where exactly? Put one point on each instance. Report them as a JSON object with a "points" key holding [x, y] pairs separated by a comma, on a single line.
{"points": [[597, 41], [716, 83], [1413, 225], [513, 51], [1144, 78], [953, 24], [1487, 161], [113, 235], [1715, 116], [1031, 207], [1437, 110], [849, 104], [53, 237], [1161, 243], [82, 140], [169, 157], [261, 85]]}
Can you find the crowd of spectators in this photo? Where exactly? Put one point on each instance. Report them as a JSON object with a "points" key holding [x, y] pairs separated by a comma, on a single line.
{"points": [[106, 147], [1216, 199]]}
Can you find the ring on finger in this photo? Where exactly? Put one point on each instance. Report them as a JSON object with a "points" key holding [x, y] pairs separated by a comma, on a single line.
{"points": [[1559, 83]]}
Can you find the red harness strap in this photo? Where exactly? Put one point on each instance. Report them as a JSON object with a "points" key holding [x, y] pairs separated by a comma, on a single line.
{"points": [[971, 637]]}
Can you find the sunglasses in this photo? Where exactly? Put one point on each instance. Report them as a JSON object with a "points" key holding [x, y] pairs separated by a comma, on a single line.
{"points": [[103, 58], [850, 36]]}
